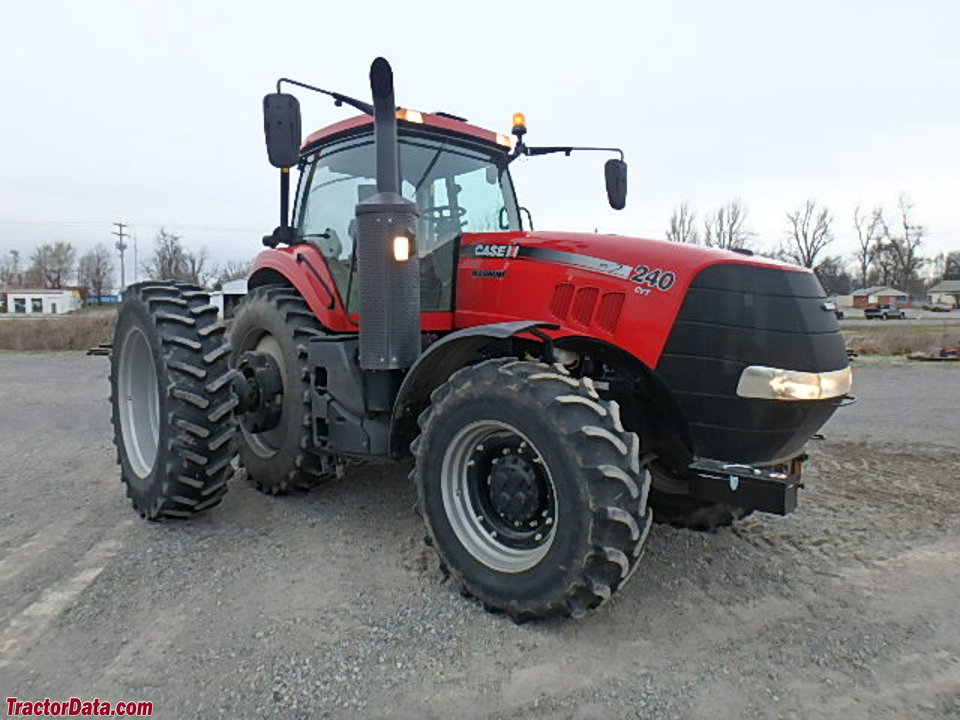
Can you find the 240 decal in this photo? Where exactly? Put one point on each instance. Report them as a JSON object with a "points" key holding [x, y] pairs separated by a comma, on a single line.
{"points": [[648, 279]]}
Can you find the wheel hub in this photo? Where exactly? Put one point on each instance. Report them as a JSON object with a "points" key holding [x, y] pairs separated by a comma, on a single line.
{"points": [[499, 496], [259, 388], [514, 489]]}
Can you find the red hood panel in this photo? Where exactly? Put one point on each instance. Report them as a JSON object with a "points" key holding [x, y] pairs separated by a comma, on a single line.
{"points": [[622, 290]]}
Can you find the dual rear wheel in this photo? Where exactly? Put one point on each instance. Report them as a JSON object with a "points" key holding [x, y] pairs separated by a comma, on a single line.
{"points": [[532, 490]]}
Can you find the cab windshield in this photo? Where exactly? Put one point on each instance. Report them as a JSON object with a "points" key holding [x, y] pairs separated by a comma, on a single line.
{"points": [[457, 189]]}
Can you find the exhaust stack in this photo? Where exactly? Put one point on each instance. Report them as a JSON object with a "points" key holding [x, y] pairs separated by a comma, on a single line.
{"points": [[388, 267]]}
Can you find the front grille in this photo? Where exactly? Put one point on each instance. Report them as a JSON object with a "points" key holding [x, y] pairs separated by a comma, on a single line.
{"points": [[739, 315]]}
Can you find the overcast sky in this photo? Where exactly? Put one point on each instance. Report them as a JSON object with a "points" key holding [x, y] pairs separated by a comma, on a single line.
{"points": [[149, 112]]}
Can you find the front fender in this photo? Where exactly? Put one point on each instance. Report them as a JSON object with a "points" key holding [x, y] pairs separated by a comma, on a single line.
{"points": [[436, 365], [304, 267]]}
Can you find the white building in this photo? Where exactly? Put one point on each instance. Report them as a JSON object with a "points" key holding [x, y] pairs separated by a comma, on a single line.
{"points": [[227, 297], [35, 300]]}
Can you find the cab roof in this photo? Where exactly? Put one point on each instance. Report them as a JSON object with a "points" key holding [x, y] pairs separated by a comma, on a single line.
{"points": [[410, 119]]}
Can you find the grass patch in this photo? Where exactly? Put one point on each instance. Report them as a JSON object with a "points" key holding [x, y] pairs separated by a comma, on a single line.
{"points": [[898, 361], [901, 339], [66, 332]]}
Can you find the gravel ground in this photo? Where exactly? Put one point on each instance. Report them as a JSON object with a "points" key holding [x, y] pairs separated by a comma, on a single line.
{"points": [[329, 605]]}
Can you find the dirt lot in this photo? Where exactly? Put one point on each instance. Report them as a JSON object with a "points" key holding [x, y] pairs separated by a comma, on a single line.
{"points": [[329, 605]]}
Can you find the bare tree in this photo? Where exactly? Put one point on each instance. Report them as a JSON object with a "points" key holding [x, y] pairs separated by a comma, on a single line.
{"points": [[869, 237], [834, 276], [171, 261], [197, 272], [233, 270], [724, 228], [902, 248], [95, 271], [951, 266], [52, 263], [808, 234], [683, 225], [10, 271]]}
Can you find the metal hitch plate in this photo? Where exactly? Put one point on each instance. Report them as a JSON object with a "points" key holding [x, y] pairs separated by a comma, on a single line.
{"points": [[766, 489]]}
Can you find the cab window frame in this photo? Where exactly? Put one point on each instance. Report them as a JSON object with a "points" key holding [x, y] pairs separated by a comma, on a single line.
{"points": [[423, 138]]}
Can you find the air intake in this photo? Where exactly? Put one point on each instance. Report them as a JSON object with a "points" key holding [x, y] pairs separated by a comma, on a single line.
{"points": [[583, 304]]}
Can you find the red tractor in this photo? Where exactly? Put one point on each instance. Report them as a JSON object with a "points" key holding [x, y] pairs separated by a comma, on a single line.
{"points": [[557, 391]]}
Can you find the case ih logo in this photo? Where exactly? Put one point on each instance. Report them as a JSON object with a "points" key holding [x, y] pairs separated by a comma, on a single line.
{"points": [[495, 251]]}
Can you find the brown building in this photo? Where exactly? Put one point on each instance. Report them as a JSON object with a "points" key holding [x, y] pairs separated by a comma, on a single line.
{"points": [[880, 295]]}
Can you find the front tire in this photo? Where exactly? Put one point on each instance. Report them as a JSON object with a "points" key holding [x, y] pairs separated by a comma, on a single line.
{"points": [[171, 400], [531, 489]]}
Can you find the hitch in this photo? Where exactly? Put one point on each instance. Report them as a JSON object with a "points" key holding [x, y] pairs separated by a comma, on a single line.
{"points": [[772, 490]]}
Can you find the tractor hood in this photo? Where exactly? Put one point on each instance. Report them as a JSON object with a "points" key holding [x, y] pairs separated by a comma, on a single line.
{"points": [[699, 317], [634, 251], [598, 284]]}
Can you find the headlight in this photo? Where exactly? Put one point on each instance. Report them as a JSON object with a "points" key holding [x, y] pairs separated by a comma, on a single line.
{"points": [[770, 383]]}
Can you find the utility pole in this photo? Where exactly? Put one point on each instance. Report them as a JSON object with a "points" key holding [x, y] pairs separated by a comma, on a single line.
{"points": [[121, 246], [136, 264]]}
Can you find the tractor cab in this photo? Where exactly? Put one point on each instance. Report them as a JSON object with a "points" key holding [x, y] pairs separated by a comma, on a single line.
{"points": [[455, 173]]}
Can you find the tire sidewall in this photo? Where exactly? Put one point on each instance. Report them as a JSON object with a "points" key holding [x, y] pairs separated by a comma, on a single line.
{"points": [[136, 315], [558, 567]]}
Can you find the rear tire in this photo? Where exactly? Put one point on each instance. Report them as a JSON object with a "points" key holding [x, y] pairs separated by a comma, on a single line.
{"points": [[275, 319], [531, 489], [171, 400]]}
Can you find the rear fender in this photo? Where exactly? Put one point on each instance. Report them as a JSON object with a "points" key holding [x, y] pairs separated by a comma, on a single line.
{"points": [[436, 365], [304, 267]]}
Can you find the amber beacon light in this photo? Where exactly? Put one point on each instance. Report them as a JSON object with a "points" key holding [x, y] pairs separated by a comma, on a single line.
{"points": [[519, 124]]}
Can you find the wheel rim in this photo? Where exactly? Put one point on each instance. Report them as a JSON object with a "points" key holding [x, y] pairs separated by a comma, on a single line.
{"points": [[266, 444], [499, 496], [139, 403]]}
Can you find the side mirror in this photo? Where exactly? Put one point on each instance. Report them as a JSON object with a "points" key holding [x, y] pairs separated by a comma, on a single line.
{"points": [[281, 127], [615, 174]]}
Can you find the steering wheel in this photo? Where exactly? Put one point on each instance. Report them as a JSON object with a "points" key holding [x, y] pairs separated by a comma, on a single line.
{"points": [[441, 213]]}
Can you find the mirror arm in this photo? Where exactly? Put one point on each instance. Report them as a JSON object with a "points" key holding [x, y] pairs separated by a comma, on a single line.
{"points": [[566, 150], [522, 149], [284, 197], [338, 98]]}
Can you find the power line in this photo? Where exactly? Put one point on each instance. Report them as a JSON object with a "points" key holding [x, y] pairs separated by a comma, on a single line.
{"points": [[155, 225], [121, 246]]}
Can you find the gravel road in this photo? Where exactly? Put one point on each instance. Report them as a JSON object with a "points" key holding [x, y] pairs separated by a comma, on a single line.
{"points": [[329, 605]]}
